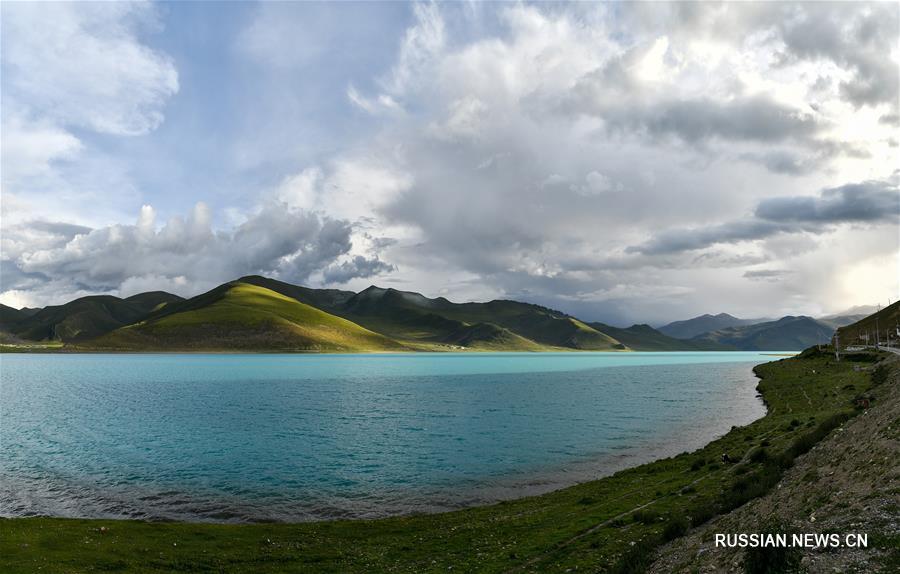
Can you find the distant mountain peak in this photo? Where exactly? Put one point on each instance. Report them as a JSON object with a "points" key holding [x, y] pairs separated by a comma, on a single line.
{"points": [[690, 328]]}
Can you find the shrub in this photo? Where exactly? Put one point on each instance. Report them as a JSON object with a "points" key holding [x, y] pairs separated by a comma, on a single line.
{"points": [[758, 455], [879, 375], [751, 486], [675, 528], [805, 442], [698, 464], [646, 516], [702, 512], [637, 558], [769, 560]]}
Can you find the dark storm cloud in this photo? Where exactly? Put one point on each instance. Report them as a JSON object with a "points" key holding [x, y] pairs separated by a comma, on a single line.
{"points": [[783, 162], [615, 94], [869, 202], [758, 119], [11, 277], [678, 240], [359, 266], [766, 274]]}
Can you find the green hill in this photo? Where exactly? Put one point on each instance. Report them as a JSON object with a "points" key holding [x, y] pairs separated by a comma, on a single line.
{"points": [[490, 337], [884, 322], [241, 316], [88, 317]]}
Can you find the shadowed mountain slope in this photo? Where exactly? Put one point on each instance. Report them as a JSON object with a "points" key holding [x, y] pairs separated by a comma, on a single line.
{"points": [[786, 334], [10, 317], [88, 317], [690, 328], [646, 338]]}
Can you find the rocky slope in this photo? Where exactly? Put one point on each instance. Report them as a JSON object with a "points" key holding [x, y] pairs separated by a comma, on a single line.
{"points": [[848, 483]]}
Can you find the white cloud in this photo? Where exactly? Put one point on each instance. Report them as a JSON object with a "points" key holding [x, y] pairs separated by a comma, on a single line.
{"points": [[29, 148], [76, 68], [82, 65]]}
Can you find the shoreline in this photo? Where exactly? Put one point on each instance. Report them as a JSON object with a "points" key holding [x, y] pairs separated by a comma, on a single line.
{"points": [[593, 521], [24, 350]]}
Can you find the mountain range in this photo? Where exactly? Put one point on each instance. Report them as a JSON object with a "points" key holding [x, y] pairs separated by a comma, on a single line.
{"points": [[256, 313]]}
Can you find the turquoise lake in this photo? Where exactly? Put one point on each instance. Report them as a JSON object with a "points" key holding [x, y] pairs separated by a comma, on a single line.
{"points": [[223, 437]]}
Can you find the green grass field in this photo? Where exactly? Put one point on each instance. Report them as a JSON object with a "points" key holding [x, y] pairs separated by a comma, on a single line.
{"points": [[610, 524]]}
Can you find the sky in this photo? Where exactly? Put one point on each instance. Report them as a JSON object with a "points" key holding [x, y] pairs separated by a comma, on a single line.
{"points": [[622, 162]]}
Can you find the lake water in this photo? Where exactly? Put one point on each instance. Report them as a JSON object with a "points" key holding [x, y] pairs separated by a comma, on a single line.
{"points": [[300, 437]]}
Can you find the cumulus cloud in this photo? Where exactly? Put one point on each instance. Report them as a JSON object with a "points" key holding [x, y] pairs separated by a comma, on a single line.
{"points": [[183, 253], [857, 39]]}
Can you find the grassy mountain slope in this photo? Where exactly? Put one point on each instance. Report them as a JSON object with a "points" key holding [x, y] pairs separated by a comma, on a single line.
{"points": [[398, 311], [412, 317], [490, 337], [325, 299], [88, 317], [785, 334], [886, 322], [245, 317], [838, 321], [646, 338], [690, 328]]}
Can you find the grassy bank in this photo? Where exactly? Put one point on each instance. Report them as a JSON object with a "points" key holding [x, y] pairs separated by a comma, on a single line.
{"points": [[610, 524]]}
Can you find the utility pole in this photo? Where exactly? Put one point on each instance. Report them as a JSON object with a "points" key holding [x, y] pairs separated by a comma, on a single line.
{"points": [[837, 347]]}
